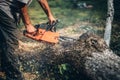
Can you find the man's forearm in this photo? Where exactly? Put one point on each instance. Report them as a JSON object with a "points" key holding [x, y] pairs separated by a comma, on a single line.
{"points": [[45, 6], [25, 16]]}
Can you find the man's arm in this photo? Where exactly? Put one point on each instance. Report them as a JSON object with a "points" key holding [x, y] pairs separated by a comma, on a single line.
{"points": [[26, 20], [46, 8], [25, 16]]}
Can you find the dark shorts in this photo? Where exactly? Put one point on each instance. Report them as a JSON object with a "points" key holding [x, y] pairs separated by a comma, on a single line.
{"points": [[8, 45]]}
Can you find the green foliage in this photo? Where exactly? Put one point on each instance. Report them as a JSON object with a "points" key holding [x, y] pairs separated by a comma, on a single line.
{"points": [[62, 68], [60, 3]]}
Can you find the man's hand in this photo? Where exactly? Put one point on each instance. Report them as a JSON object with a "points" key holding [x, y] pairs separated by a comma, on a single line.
{"points": [[51, 19], [30, 29]]}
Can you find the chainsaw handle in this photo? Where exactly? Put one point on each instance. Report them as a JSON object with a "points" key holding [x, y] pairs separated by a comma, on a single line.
{"points": [[53, 23], [47, 26], [52, 27]]}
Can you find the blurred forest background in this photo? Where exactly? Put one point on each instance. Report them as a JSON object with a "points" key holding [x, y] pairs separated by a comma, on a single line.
{"points": [[75, 12]]}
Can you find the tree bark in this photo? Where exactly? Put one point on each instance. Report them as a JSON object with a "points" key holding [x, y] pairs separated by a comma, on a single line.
{"points": [[110, 14]]}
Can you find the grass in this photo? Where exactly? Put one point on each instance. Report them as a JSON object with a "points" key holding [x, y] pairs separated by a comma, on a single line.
{"points": [[37, 15], [66, 16]]}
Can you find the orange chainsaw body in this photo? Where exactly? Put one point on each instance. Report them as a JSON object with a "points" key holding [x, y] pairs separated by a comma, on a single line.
{"points": [[43, 35]]}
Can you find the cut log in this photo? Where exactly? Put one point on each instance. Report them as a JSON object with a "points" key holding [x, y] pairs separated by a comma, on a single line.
{"points": [[88, 58]]}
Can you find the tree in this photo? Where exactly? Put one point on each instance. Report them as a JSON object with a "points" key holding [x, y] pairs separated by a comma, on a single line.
{"points": [[109, 20]]}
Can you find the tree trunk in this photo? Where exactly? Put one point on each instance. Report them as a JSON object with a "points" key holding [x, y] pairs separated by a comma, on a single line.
{"points": [[87, 58], [110, 14]]}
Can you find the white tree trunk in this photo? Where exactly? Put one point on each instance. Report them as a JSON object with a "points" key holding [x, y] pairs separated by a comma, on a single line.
{"points": [[110, 14]]}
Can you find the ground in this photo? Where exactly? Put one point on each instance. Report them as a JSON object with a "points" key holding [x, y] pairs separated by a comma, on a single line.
{"points": [[28, 45]]}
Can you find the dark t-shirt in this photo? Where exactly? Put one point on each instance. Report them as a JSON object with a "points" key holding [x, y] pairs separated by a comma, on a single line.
{"points": [[10, 7]]}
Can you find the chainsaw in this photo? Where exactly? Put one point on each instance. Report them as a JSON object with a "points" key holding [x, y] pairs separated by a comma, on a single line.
{"points": [[45, 32]]}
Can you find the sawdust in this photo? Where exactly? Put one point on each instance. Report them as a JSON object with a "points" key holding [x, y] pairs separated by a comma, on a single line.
{"points": [[29, 76]]}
